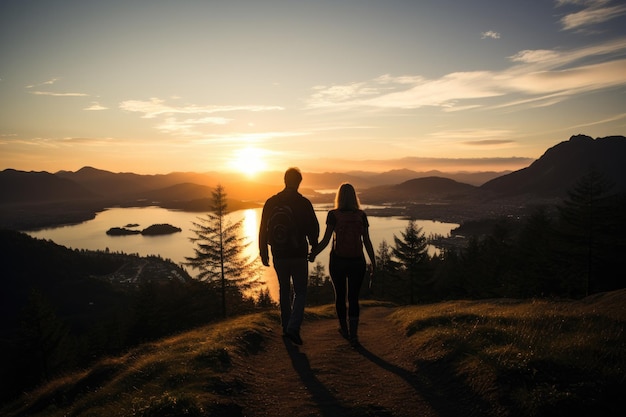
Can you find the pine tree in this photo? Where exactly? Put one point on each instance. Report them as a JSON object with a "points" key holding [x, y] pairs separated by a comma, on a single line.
{"points": [[385, 281], [534, 273], [411, 252], [219, 251], [45, 336], [320, 288], [264, 300], [591, 229]]}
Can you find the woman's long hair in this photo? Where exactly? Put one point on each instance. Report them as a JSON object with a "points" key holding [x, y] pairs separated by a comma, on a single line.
{"points": [[346, 198]]}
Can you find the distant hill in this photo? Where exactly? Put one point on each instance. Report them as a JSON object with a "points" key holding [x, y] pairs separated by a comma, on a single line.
{"points": [[419, 190], [179, 192], [402, 175], [26, 187], [123, 187], [550, 176], [365, 179], [561, 166]]}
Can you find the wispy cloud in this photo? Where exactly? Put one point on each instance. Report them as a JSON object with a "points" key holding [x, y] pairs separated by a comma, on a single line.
{"points": [[156, 107], [551, 75], [95, 106], [489, 142], [473, 135], [187, 126], [48, 82], [420, 164], [490, 34], [594, 12], [53, 94]]}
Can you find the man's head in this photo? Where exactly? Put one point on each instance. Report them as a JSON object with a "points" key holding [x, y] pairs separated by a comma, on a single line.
{"points": [[293, 178]]}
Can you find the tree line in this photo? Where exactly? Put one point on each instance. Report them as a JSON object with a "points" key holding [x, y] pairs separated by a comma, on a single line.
{"points": [[571, 250]]}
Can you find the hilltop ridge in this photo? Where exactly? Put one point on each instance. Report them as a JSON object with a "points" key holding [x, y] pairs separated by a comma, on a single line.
{"points": [[445, 359]]}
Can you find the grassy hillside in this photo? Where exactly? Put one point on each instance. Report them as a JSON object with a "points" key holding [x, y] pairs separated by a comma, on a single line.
{"points": [[530, 358]]}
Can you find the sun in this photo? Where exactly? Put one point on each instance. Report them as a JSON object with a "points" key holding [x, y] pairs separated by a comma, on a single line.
{"points": [[249, 161]]}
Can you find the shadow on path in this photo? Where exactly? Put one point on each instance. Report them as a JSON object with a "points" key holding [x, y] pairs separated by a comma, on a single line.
{"points": [[328, 404], [437, 384]]}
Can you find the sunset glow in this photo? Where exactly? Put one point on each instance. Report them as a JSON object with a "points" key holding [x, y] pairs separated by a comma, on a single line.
{"points": [[249, 161], [157, 87]]}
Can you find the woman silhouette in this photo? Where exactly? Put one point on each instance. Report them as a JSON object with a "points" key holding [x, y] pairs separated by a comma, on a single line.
{"points": [[348, 226]]}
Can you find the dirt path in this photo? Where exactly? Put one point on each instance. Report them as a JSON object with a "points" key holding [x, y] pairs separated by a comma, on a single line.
{"points": [[327, 377]]}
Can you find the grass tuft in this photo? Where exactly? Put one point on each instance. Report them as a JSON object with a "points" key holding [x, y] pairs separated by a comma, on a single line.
{"points": [[540, 357]]}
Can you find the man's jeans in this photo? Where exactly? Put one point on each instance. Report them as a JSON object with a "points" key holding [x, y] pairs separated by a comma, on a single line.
{"points": [[288, 271]]}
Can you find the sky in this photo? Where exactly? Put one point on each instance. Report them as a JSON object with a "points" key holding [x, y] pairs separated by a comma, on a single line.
{"points": [[155, 86]]}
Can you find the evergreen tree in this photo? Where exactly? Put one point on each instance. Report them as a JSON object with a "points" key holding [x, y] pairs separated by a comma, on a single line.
{"points": [[449, 276], [471, 265], [320, 288], [591, 230], [316, 278], [496, 260], [385, 283], [45, 336], [534, 271], [264, 300], [219, 252], [411, 253]]}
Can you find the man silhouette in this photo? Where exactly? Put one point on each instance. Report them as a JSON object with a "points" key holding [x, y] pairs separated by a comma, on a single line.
{"points": [[290, 258]]}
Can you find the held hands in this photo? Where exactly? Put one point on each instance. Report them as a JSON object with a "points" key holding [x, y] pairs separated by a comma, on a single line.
{"points": [[314, 252]]}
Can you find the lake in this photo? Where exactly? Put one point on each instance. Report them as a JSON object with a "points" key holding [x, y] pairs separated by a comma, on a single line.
{"points": [[92, 235]]}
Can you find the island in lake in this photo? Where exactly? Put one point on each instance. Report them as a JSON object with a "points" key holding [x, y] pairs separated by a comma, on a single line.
{"points": [[154, 230]]}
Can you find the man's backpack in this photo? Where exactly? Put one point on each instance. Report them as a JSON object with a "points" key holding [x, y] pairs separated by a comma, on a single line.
{"points": [[281, 228], [348, 241]]}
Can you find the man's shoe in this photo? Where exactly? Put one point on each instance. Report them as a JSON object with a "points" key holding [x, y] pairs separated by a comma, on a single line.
{"points": [[294, 337]]}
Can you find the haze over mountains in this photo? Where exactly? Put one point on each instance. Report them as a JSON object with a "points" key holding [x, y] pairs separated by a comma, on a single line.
{"points": [[548, 177]]}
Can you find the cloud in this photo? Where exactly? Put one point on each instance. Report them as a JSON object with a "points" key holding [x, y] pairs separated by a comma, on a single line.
{"points": [[543, 75], [572, 81], [489, 142], [50, 93], [473, 135], [156, 107], [187, 126], [48, 82], [421, 164], [533, 56], [490, 34], [594, 12], [95, 106]]}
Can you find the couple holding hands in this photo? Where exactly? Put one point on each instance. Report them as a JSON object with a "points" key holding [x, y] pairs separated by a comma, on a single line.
{"points": [[289, 226]]}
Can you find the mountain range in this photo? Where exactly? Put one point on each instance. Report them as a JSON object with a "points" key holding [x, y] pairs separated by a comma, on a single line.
{"points": [[548, 177]]}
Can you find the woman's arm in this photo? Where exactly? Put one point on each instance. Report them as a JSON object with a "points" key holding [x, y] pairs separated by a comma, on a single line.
{"points": [[369, 248]]}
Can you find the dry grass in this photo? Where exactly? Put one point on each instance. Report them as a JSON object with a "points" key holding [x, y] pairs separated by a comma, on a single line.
{"points": [[539, 357], [185, 373], [535, 357]]}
